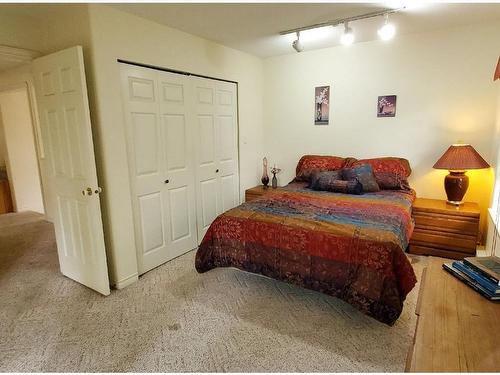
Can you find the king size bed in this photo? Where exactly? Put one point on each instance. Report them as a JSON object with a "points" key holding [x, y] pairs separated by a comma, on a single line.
{"points": [[345, 245]]}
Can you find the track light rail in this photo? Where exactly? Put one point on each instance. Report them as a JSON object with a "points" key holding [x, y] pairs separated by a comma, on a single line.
{"points": [[343, 20]]}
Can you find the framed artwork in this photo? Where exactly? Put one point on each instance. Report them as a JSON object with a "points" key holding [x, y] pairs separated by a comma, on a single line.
{"points": [[322, 102], [386, 106]]}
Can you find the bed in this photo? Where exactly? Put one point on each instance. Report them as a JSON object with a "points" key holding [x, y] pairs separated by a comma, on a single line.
{"points": [[346, 246]]}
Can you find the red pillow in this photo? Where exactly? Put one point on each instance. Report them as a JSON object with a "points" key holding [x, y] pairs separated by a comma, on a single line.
{"points": [[310, 164], [395, 165]]}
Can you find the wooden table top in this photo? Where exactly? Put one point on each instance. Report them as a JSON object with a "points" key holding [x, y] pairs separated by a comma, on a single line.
{"points": [[441, 206], [458, 330]]}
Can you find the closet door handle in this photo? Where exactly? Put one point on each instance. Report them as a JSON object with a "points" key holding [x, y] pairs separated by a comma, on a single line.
{"points": [[167, 181]]}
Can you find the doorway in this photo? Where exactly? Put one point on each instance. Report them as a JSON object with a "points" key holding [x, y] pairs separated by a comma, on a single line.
{"points": [[62, 152], [19, 169]]}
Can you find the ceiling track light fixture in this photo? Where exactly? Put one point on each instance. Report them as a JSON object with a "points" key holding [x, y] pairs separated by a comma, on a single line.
{"points": [[386, 32], [297, 45], [347, 37]]}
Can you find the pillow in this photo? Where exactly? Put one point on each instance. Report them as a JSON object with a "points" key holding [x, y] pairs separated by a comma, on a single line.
{"points": [[391, 181], [364, 174], [324, 178], [309, 164], [387, 164], [332, 181]]}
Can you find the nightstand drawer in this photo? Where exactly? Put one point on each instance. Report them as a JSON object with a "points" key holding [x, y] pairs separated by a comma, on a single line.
{"points": [[446, 223], [451, 241], [427, 250]]}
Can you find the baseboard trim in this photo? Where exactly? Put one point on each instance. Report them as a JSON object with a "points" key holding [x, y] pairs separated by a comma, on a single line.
{"points": [[120, 284]]}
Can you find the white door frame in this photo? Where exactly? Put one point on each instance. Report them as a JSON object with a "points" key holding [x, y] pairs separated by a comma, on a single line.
{"points": [[35, 128]]}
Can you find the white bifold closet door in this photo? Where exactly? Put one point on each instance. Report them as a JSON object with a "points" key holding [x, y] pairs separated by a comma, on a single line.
{"points": [[215, 107], [161, 168], [182, 155]]}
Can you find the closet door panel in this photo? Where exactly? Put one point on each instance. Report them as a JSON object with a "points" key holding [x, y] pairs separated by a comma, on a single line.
{"points": [[146, 165], [179, 179], [159, 125], [227, 144], [217, 149], [207, 166], [150, 206], [209, 209], [227, 187]]}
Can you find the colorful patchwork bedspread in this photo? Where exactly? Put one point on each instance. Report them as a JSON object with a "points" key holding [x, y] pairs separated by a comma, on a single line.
{"points": [[347, 246]]}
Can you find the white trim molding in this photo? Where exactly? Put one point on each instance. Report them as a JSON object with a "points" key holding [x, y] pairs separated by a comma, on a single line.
{"points": [[494, 218], [120, 284]]}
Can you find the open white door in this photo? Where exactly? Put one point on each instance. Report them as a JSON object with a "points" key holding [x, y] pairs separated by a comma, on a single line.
{"points": [[71, 187]]}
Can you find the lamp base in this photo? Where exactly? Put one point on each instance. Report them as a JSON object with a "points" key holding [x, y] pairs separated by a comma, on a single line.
{"points": [[456, 185], [454, 203]]}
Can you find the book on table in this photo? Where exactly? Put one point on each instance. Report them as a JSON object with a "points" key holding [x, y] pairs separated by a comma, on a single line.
{"points": [[487, 266], [485, 282], [471, 282]]}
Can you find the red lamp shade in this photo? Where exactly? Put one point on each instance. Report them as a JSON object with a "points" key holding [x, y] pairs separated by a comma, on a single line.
{"points": [[457, 159], [460, 158]]}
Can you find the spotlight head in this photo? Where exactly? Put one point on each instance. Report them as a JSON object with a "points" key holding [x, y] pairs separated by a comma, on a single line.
{"points": [[387, 31], [297, 45], [347, 37]]}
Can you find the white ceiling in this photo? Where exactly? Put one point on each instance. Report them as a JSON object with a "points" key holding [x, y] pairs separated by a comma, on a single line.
{"points": [[11, 57], [254, 28]]}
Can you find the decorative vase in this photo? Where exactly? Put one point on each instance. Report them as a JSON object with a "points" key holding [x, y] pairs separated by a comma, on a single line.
{"points": [[318, 111], [275, 171], [265, 177]]}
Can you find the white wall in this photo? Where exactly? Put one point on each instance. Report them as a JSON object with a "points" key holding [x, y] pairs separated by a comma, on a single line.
{"points": [[445, 93], [115, 34], [22, 164], [19, 30], [493, 244], [21, 76]]}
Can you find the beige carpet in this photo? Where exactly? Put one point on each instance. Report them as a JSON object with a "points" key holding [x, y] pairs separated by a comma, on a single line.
{"points": [[174, 319]]}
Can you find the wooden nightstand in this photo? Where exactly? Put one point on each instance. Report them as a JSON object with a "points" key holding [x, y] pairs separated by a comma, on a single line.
{"points": [[256, 192], [444, 230]]}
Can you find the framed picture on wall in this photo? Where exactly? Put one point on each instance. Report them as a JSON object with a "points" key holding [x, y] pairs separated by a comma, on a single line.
{"points": [[322, 105], [386, 106]]}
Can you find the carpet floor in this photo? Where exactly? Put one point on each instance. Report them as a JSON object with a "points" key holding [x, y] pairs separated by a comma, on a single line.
{"points": [[175, 319]]}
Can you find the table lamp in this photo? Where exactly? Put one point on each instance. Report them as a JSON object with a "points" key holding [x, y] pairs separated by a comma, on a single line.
{"points": [[457, 159]]}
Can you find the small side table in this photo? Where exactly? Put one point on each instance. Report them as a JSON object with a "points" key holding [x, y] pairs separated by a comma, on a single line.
{"points": [[256, 192], [444, 230]]}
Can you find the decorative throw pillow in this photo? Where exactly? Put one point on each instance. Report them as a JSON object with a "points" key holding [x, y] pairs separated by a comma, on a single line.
{"points": [[346, 187], [310, 164], [364, 174], [332, 181], [387, 164], [324, 179], [391, 181]]}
